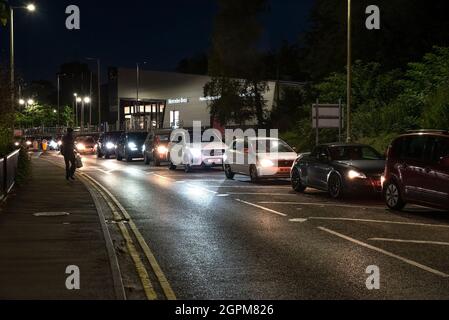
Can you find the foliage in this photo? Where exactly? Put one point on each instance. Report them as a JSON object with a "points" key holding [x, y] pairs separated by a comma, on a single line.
{"points": [[385, 103], [23, 168], [43, 115], [234, 55]]}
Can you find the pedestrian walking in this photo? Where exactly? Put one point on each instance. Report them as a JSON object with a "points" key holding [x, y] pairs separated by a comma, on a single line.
{"points": [[68, 151]]}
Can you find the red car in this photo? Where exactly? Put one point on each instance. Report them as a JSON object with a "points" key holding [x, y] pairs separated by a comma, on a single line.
{"points": [[417, 170]]}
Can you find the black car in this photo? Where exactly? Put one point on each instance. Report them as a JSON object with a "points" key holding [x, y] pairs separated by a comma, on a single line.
{"points": [[130, 145], [156, 147], [339, 169], [107, 144]]}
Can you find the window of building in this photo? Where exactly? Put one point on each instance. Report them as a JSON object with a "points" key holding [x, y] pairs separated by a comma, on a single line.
{"points": [[174, 119], [127, 110]]}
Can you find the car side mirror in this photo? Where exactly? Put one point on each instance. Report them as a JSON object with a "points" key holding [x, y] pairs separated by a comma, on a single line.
{"points": [[444, 161], [323, 158]]}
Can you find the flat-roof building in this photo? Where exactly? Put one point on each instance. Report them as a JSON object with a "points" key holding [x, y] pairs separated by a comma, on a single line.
{"points": [[157, 99]]}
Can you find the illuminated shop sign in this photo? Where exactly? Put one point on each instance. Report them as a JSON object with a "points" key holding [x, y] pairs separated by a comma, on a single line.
{"points": [[178, 101], [209, 98]]}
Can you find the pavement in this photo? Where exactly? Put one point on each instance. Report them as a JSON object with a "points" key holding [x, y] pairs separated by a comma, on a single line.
{"points": [[38, 241], [214, 238]]}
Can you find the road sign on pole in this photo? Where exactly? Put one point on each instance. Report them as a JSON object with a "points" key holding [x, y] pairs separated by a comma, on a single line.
{"points": [[327, 116]]}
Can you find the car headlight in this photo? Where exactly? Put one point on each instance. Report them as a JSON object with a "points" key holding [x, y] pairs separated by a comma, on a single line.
{"points": [[110, 145], [29, 143], [16, 144], [53, 144], [59, 143], [80, 146], [196, 153], [132, 146], [352, 174], [266, 163], [162, 150]]}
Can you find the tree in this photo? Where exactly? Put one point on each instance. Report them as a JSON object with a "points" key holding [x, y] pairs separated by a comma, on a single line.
{"points": [[235, 56], [409, 29]]}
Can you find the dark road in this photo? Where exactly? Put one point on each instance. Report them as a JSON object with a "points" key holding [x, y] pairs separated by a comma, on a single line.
{"points": [[221, 239]]}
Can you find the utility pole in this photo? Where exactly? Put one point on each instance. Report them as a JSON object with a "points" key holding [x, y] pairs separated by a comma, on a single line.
{"points": [[349, 78]]}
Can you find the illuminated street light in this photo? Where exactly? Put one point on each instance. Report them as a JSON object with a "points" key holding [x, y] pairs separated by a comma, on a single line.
{"points": [[21, 102], [30, 102], [78, 99], [87, 100], [31, 7]]}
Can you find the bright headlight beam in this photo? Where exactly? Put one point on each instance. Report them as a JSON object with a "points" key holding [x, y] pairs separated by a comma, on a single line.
{"points": [[352, 174], [266, 163]]}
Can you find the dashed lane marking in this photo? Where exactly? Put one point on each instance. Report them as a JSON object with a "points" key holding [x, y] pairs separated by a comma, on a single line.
{"points": [[263, 208], [382, 221], [387, 253], [438, 243], [323, 205]]}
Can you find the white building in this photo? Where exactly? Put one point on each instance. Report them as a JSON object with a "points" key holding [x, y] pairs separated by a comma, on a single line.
{"points": [[165, 99]]}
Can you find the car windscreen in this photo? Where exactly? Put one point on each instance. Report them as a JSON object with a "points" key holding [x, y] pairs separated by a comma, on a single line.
{"points": [[112, 136], [137, 136], [163, 138], [347, 153], [272, 146]]}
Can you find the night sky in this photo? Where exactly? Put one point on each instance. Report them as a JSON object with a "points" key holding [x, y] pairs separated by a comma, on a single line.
{"points": [[122, 33]]}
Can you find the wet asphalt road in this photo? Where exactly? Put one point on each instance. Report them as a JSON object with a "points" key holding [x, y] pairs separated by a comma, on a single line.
{"points": [[221, 239]]}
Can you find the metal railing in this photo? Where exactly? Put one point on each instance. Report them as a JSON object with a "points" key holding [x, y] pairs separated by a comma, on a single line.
{"points": [[8, 172]]}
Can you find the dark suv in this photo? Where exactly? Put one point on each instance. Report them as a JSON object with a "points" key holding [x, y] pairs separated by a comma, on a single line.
{"points": [[107, 144], [130, 145], [156, 147], [417, 170]]}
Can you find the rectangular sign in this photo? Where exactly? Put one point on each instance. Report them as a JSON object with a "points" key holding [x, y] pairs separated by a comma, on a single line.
{"points": [[326, 116]]}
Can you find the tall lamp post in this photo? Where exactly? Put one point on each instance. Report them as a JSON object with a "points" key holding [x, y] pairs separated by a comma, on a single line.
{"points": [[98, 87], [31, 8], [349, 78], [85, 100]]}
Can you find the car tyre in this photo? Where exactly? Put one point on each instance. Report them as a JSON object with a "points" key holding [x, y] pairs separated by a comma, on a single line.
{"points": [[157, 162], [392, 195], [335, 186], [297, 184], [228, 172], [187, 168], [253, 174], [171, 166], [146, 160], [119, 157], [107, 156]]}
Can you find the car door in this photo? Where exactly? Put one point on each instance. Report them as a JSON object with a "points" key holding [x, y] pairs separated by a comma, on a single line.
{"points": [[436, 180], [413, 167], [313, 170]]}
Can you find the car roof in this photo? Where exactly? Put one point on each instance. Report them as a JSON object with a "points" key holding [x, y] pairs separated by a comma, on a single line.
{"points": [[343, 144], [434, 133]]}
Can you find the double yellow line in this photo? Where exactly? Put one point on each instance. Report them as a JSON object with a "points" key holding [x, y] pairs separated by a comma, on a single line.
{"points": [[120, 215]]}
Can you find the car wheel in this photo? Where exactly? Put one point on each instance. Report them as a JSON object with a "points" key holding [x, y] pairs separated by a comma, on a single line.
{"points": [[99, 154], [253, 174], [393, 196], [296, 181], [228, 172], [187, 168], [157, 162], [119, 157], [107, 157], [171, 166], [129, 159], [335, 186], [146, 160]]}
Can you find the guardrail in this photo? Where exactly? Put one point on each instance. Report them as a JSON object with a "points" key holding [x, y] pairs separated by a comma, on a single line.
{"points": [[8, 172]]}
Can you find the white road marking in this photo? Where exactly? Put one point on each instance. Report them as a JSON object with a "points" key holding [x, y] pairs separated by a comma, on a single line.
{"points": [[105, 172], [262, 194], [263, 208], [298, 220], [382, 221], [201, 188], [438, 243], [223, 195], [387, 253], [245, 187], [323, 205]]}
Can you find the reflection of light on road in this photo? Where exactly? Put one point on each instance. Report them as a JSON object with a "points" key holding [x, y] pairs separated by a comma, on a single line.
{"points": [[110, 165], [133, 171]]}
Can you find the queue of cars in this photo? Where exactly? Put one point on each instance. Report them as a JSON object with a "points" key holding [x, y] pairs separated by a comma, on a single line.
{"points": [[415, 169]]}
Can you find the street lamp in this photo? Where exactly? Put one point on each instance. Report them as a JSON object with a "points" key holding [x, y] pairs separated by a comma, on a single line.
{"points": [[98, 88], [85, 100], [31, 8], [349, 78]]}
